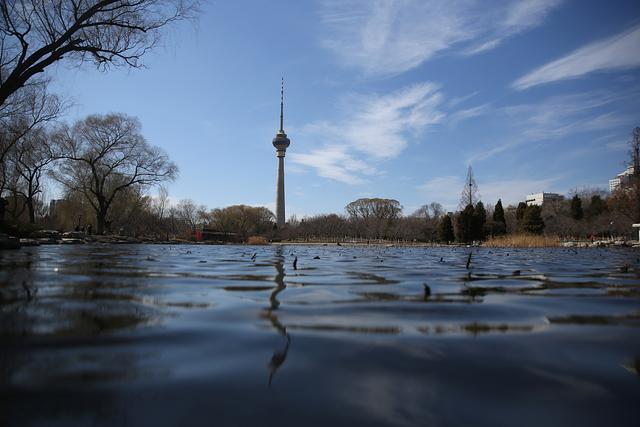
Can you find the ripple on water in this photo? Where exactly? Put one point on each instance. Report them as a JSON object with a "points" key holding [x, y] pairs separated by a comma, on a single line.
{"points": [[388, 336]]}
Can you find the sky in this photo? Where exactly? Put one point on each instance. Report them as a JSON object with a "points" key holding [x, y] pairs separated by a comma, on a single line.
{"points": [[390, 99]]}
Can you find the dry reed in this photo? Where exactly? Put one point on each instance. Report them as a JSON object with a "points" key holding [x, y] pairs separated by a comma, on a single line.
{"points": [[257, 240], [522, 241]]}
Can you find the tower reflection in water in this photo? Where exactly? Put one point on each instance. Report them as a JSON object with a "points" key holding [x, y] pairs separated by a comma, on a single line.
{"points": [[280, 355]]}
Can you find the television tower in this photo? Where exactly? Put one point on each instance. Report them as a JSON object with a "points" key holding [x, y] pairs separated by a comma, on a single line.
{"points": [[280, 142]]}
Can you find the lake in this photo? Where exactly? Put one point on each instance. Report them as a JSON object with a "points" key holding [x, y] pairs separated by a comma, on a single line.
{"points": [[319, 335]]}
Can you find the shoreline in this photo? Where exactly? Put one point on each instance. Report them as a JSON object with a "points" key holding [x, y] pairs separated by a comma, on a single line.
{"points": [[550, 242]]}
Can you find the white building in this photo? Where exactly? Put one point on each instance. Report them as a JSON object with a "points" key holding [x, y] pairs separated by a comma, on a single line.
{"points": [[622, 179], [614, 184], [537, 199]]}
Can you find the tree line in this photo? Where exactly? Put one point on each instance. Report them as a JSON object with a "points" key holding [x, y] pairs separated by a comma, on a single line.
{"points": [[107, 169]]}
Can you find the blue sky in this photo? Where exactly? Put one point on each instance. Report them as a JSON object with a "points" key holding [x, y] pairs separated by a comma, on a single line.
{"points": [[383, 98]]}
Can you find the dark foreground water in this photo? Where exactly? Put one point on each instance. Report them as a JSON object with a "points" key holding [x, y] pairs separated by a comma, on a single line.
{"points": [[230, 335]]}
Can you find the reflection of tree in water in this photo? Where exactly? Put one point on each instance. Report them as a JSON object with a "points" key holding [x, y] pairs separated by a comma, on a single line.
{"points": [[279, 356]]}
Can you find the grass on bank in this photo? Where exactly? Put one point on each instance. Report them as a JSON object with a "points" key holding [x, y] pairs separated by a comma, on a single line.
{"points": [[523, 241]]}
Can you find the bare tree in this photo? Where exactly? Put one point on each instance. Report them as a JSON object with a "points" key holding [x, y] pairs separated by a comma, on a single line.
{"points": [[242, 219], [104, 155], [32, 156], [37, 33], [188, 212], [31, 111], [469, 195], [376, 215]]}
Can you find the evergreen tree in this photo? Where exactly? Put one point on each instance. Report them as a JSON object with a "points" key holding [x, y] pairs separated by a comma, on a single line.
{"points": [[479, 219], [445, 229], [576, 208], [498, 213], [465, 224], [499, 225], [532, 220], [520, 210]]}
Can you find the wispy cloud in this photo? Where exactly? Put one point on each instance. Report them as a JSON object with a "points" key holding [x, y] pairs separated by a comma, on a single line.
{"points": [[614, 53], [374, 128], [388, 37], [468, 113], [558, 117], [514, 18]]}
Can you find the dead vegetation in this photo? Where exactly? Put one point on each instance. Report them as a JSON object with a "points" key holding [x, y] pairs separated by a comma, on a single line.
{"points": [[522, 241]]}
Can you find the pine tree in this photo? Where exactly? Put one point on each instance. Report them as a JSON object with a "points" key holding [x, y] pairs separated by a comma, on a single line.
{"points": [[465, 224], [532, 220], [479, 219], [499, 225], [498, 213], [445, 229], [576, 208]]}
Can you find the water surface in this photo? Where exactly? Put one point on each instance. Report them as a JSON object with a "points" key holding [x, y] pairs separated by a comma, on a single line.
{"points": [[235, 335]]}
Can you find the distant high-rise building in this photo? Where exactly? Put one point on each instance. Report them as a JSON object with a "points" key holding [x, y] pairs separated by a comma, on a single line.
{"points": [[537, 199], [622, 180], [54, 206], [280, 142]]}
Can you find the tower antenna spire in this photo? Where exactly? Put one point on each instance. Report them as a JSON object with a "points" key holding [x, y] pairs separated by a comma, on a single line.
{"points": [[282, 105]]}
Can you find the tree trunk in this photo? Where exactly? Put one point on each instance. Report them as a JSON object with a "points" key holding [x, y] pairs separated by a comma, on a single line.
{"points": [[101, 221], [31, 209]]}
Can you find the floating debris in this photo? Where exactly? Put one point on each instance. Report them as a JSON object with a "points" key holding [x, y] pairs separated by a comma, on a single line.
{"points": [[295, 263], [27, 290], [468, 260], [473, 291], [316, 257], [253, 257]]}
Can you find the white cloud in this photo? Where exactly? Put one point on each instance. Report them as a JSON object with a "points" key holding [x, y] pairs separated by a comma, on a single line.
{"points": [[558, 117], [515, 18], [522, 15], [467, 113], [375, 128], [333, 161], [387, 37], [453, 102], [614, 53]]}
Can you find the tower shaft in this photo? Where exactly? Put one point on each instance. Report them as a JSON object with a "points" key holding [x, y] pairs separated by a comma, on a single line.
{"points": [[280, 212]]}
